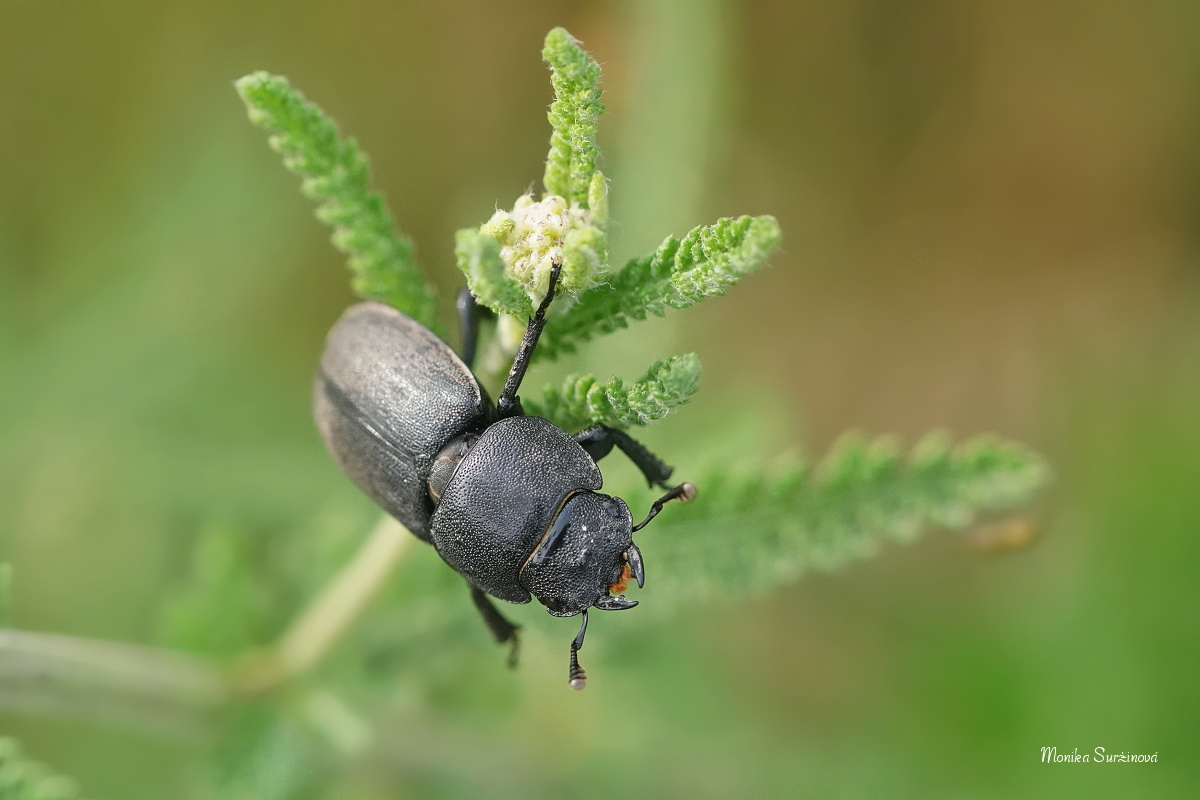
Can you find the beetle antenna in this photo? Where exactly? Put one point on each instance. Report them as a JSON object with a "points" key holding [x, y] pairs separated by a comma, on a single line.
{"points": [[683, 492], [508, 403], [578, 677]]}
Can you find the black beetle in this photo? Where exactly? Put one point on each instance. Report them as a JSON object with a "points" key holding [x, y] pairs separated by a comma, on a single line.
{"points": [[510, 501]]}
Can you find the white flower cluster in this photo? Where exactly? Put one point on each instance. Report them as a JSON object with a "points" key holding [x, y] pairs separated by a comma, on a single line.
{"points": [[536, 235]]}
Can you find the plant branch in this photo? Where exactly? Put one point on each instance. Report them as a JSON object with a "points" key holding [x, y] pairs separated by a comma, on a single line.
{"points": [[319, 627], [77, 677], [164, 689]]}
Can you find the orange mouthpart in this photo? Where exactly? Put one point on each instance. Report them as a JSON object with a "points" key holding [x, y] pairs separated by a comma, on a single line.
{"points": [[619, 587]]}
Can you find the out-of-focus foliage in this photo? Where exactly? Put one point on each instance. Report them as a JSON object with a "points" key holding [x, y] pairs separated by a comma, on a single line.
{"points": [[22, 779], [763, 530], [5, 593]]}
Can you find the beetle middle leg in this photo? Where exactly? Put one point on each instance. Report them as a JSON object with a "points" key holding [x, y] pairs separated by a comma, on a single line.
{"points": [[599, 440], [502, 630]]}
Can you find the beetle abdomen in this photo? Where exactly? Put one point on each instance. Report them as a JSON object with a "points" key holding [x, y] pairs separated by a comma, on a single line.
{"points": [[504, 494], [387, 397]]}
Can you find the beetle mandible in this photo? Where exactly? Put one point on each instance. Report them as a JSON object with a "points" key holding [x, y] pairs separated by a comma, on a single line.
{"points": [[509, 501]]}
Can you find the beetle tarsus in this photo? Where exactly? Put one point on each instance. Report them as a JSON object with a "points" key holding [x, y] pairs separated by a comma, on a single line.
{"points": [[577, 675], [683, 492], [508, 404]]}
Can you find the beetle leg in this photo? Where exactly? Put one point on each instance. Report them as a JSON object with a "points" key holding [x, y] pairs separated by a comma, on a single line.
{"points": [[502, 630], [508, 403], [598, 441], [683, 492], [469, 315], [577, 675]]}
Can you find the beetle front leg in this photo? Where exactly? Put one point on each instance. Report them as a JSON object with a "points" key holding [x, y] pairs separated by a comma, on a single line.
{"points": [[508, 403], [502, 630], [598, 441]]}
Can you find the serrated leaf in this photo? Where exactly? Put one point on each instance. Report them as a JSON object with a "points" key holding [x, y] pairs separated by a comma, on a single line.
{"points": [[681, 273], [574, 116], [336, 174], [582, 400], [748, 532]]}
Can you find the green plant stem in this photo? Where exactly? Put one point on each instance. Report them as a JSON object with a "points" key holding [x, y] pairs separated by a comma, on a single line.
{"points": [[331, 614], [344, 729], [112, 681], [151, 687]]}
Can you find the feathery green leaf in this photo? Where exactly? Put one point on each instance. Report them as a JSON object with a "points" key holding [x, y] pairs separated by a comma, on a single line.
{"points": [[478, 256], [336, 175], [582, 400], [681, 273], [747, 533], [573, 115]]}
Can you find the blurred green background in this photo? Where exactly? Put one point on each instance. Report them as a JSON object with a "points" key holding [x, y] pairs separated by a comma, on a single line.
{"points": [[989, 215]]}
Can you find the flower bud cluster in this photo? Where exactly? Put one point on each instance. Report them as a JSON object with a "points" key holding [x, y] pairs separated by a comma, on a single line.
{"points": [[536, 235]]}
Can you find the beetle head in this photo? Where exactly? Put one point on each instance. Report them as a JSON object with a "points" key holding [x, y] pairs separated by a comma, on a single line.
{"points": [[584, 553], [587, 556]]}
